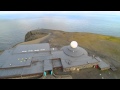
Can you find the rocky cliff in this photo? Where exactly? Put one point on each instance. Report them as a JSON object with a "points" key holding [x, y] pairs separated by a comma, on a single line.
{"points": [[35, 34]]}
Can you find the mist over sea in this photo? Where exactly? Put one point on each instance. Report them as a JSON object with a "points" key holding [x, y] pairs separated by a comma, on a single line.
{"points": [[13, 30]]}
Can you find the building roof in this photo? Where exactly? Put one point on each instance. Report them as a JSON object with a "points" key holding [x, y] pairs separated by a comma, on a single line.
{"points": [[75, 61], [71, 62], [10, 60], [11, 72], [14, 62], [48, 65], [57, 54], [57, 63], [17, 63], [102, 64], [32, 48], [35, 68], [74, 52]]}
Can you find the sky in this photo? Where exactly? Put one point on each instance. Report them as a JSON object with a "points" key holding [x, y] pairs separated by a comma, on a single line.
{"points": [[27, 14], [59, 12]]}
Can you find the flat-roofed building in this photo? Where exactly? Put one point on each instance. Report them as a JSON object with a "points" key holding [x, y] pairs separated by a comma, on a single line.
{"points": [[36, 59]]}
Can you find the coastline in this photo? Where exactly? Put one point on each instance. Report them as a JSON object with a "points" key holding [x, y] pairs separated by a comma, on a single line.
{"points": [[36, 41]]}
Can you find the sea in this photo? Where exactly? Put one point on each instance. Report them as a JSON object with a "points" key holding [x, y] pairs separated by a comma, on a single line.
{"points": [[13, 30]]}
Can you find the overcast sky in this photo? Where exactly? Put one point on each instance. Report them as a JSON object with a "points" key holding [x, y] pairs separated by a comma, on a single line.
{"points": [[60, 12], [16, 14]]}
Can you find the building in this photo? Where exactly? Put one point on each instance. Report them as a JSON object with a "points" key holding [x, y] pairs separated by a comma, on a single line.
{"points": [[40, 59]]}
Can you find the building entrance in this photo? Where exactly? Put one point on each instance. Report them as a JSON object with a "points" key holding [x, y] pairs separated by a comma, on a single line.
{"points": [[50, 72]]}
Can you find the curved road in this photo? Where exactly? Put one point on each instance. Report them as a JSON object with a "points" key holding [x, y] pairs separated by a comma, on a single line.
{"points": [[46, 38]]}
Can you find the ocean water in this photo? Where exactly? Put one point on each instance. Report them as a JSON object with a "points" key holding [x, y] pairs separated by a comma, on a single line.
{"points": [[12, 31]]}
